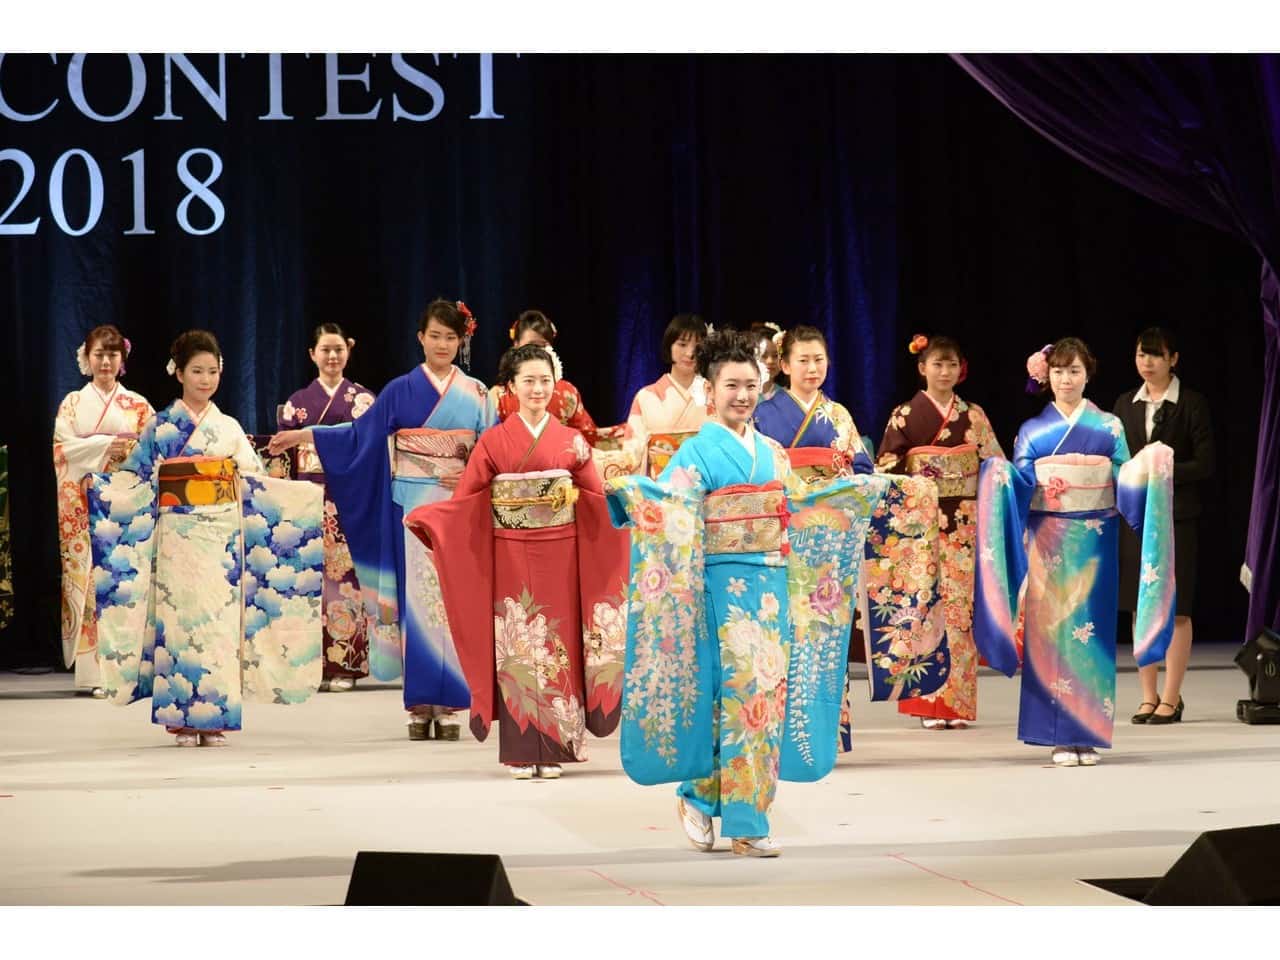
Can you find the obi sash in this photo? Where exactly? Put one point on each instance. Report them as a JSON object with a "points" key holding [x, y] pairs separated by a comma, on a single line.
{"points": [[1073, 483], [532, 501], [663, 446], [198, 482], [746, 518], [953, 469], [814, 464], [424, 453]]}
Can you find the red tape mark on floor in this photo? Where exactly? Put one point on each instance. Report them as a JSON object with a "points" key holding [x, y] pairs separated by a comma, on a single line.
{"points": [[633, 891], [972, 886]]}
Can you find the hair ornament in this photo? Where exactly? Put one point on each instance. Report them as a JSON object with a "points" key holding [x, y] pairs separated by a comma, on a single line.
{"points": [[557, 370], [171, 368], [919, 344], [82, 361], [1038, 368]]}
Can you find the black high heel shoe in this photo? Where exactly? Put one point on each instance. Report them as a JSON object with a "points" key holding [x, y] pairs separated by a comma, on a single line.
{"points": [[1175, 717], [1140, 716]]}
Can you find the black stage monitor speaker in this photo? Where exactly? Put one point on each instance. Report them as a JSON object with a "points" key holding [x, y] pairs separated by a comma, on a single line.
{"points": [[429, 879], [1260, 660], [1238, 867]]}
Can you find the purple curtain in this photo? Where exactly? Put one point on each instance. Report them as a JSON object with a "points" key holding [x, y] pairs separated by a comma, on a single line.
{"points": [[1199, 134]]}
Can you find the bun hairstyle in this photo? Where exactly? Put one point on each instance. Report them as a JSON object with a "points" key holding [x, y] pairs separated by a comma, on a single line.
{"points": [[800, 334], [534, 320], [189, 344], [330, 328], [511, 361], [444, 312], [724, 346]]}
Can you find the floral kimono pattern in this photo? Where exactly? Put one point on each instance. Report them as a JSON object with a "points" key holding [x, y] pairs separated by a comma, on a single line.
{"points": [[663, 415], [207, 577], [84, 429], [346, 628], [1046, 585], [946, 447]]}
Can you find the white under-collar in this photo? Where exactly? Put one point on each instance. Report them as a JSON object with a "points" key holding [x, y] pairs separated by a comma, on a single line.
{"points": [[437, 382], [747, 438], [1171, 395], [807, 407], [328, 389], [537, 428], [1075, 414]]}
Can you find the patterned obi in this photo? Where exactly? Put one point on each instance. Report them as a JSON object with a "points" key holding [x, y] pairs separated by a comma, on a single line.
{"points": [[308, 459], [198, 482], [662, 447], [279, 465], [815, 464], [746, 518], [424, 453], [1073, 483], [953, 469], [532, 501]]}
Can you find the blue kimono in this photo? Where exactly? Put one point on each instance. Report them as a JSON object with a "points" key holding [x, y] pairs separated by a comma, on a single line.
{"points": [[825, 425], [372, 504], [1070, 481]]}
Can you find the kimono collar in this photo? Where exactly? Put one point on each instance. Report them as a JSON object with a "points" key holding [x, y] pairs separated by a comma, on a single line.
{"points": [[697, 390], [944, 414], [536, 429], [440, 385], [1075, 414], [331, 391], [747, 439], [806, 407]]}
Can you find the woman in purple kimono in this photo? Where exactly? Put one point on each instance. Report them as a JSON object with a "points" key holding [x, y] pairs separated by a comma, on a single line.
{"points": [[332, 399]]}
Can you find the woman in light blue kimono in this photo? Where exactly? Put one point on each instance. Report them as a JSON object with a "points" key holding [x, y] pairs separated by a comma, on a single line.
{"points": [[207, 573], [1052, 605], [434, 415]]}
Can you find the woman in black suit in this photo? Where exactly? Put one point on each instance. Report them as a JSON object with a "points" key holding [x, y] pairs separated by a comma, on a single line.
{"points": [[1162, 409]]}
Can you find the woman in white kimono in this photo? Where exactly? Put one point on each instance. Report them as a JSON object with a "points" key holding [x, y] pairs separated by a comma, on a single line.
{"points": [[95, 429]]}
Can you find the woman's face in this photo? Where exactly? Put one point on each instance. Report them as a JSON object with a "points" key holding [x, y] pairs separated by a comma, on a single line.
{"points": [[330, 355], [104, 362], [529, 335], [1067, 382], [806, 365], [439, 344], [682, 353], [768, 353], [735, 392], [940, 372], [200, 378], [532, 384], [1155, 368]]}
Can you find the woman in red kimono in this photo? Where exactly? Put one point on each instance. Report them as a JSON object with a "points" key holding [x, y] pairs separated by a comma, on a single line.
{"points": [[528, 527], [565, 404], [938, 435]]}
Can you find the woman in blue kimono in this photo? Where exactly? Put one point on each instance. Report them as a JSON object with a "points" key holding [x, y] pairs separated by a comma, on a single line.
{"points": [[435, 414], [818, 434], [1070, 480]]}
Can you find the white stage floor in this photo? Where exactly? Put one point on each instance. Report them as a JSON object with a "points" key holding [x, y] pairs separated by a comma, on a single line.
{"points": [[98, 807]]}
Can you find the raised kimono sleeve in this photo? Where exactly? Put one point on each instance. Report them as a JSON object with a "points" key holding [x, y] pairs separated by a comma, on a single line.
{"points": [[982, 435], [1000, 558], [579, 419], [246, 458], [894, 444], [671, 659], [635, 438], [1144, 496], [82, 455]]}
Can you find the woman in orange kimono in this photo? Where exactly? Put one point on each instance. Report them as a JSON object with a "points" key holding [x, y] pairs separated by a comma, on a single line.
{"points": [[528, 530], [935, 434]]}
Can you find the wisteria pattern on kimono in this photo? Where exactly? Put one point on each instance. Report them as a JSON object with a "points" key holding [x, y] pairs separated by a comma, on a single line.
{"points": [[947, 447], [208, 589], [85, 426], [821, 442], [565, 405], [346, 625], [528, 530], [663, 415], [377, 469], [1046, 585]]}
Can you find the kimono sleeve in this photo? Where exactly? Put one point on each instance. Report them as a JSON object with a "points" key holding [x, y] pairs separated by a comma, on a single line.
{"points": [[1000, 561], [82, 455], [579, 419], [1144, 495], [982, 435], [245, 456], [894, 444]]}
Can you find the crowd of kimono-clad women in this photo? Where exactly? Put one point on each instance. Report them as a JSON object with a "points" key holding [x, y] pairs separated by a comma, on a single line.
{"points": [[699, 576]]}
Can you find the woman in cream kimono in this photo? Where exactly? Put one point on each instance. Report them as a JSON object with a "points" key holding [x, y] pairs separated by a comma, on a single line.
{"points": [[95, 429]]}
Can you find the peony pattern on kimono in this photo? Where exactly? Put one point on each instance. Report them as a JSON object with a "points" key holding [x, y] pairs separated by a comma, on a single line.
{"points": [[534, 673], [666, 617]]}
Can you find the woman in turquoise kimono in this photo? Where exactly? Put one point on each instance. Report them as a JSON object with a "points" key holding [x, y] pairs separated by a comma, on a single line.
{"points": [[434, 414], [1052, 604]]}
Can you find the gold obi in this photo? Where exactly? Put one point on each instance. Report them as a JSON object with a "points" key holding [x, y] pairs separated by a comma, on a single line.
{"points": [[953, 469], [662, 447], [427, 453], [746, 519], [308, 458], [198, 482], [1073, 483], [533, 501]]}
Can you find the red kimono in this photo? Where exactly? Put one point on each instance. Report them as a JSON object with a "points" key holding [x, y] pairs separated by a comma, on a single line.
{"points": [[565, 405], [534, 590]]}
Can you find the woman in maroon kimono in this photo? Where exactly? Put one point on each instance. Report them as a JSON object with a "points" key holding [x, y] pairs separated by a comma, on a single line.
{"points": [[938, 435], [331, 399], [528, 527]]}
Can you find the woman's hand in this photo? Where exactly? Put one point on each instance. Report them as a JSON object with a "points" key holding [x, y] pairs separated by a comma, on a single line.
{"points": [[119, 449], [285, 440]]}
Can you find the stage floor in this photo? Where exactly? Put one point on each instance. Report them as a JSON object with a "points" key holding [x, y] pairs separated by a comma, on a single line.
{"points": [[98, 807]]}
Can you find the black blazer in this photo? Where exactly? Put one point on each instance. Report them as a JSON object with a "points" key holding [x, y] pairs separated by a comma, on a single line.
{"points": [[1186, 428]]}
